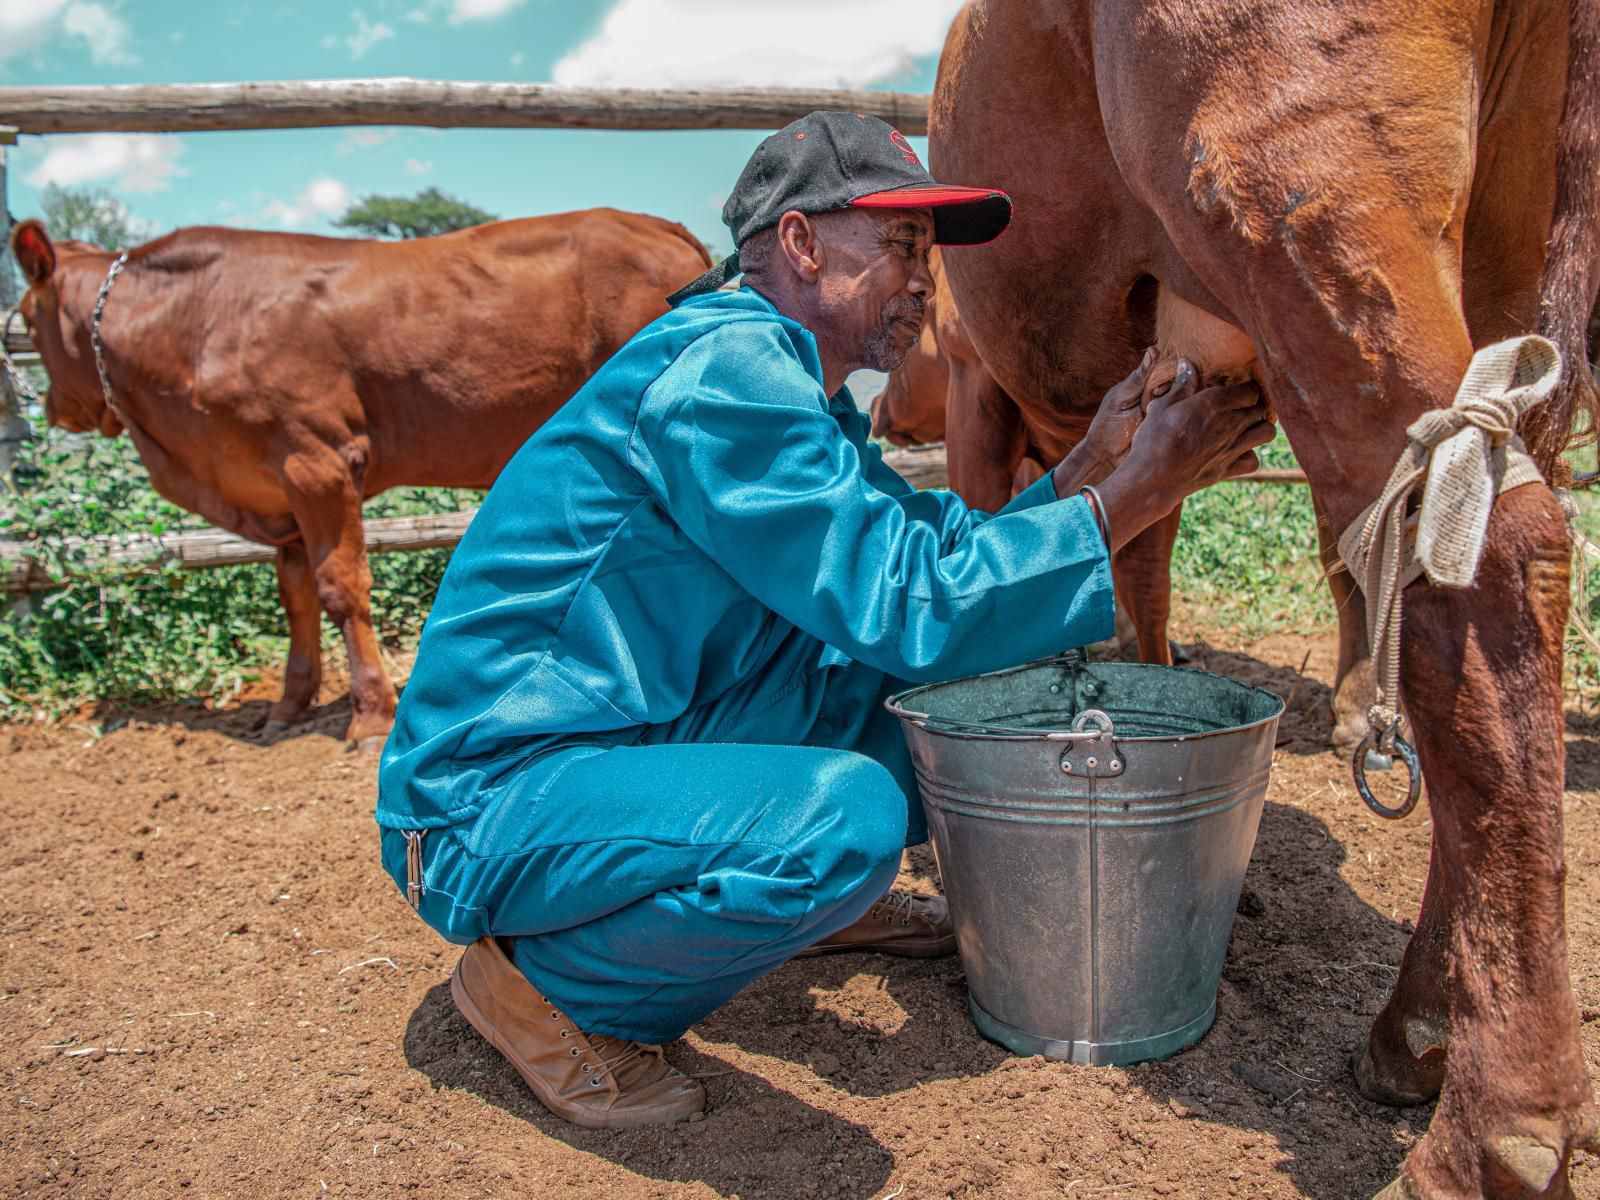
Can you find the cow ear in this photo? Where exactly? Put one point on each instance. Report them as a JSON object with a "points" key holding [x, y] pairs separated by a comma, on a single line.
{"points": [[34, 251]]}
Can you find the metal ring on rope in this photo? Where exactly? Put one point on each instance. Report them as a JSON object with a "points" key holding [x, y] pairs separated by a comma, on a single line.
{"points": [[1358, 766]]}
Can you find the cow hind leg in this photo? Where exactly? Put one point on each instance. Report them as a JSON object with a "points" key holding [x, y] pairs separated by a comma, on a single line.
{"points": [[1340, 250], [302, 676], [1352, 678], [985, 440], [1403, 1060], [1143, 574], [326, 495]]}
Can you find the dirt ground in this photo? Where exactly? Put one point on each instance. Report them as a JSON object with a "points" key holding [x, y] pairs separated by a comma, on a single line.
{"points": [[207, 988]]}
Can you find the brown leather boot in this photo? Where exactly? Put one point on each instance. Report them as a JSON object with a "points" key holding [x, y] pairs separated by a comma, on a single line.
{"points": [[901, 923], [586, 1078]]}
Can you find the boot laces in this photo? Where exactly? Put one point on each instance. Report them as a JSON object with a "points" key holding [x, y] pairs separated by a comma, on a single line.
{"points": [[896, 904], [630, 1052]]}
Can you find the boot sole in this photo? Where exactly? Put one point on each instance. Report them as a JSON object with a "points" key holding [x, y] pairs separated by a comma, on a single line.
{"points": [[567, 1112], [939, 949]]}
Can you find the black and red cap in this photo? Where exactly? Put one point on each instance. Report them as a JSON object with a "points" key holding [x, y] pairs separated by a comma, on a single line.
{"points": [[830, 161]]}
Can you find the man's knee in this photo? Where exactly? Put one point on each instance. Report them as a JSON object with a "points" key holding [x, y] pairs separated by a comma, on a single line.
{"points": [[862, 825]]}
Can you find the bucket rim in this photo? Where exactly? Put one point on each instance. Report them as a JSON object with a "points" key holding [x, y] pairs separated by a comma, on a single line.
{"points": [[948, 727]]}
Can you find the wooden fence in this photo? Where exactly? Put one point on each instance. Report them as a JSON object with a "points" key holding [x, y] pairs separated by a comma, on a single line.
{"points": [[923, 467], [192, 107]]}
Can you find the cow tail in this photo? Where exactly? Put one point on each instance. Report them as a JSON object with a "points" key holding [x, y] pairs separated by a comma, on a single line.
{"points": [[1572, 261]]}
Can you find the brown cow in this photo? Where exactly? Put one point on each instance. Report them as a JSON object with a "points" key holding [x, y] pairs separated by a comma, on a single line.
{"points": [[1343, 199], [273, 381]]}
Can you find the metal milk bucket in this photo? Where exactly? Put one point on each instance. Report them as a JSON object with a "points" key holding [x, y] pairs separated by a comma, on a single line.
{"points": [[1092, 823]]}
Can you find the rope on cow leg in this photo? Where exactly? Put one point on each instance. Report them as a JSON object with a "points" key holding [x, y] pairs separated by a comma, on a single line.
{"points": [[1463, 457]]}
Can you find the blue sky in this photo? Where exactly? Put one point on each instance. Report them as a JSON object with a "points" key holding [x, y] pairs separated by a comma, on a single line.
{"points": [[300, 179]]}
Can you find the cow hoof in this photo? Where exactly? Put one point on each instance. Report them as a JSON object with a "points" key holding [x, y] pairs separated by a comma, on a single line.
{"points": [[1180, 656], [1417, 1084]]}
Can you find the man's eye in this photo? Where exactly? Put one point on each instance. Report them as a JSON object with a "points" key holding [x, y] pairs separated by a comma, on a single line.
{"points": [[907, 247]]}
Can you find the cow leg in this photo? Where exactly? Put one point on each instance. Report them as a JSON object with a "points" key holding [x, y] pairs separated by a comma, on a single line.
{"points": [[1143, 574], [327, 504], [984, 437], [1403, 1060], [1352, 678], [1483, 671], [1339, 249], [302, 677]]}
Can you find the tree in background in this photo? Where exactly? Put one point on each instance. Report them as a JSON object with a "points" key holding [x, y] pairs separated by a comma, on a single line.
{"points": [[427, 213], [91, 215]]}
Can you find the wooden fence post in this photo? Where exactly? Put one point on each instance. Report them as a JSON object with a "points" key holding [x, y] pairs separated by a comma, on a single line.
{"points": [[13, 429]]}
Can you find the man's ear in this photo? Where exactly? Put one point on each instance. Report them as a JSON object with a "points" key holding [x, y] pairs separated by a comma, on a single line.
{"points": [[34, 251], [799, 245]]}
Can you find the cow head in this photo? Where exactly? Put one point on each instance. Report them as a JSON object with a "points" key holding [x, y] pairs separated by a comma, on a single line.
{"points": [[59, 302]]}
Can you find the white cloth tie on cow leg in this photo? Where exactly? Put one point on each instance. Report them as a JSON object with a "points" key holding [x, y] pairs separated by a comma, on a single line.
{"points": [[1468, 454]]}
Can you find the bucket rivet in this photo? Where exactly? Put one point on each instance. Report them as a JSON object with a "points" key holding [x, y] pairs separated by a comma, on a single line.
{"points": [[1055, 687], [1115, 765], [1066, 766], [1092, 761]]}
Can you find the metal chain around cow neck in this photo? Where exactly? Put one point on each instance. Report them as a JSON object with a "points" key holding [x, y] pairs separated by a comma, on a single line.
{"points": [[94, 330]]}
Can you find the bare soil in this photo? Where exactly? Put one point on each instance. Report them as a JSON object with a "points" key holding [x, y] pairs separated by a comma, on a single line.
{"points": [[208, 988]]}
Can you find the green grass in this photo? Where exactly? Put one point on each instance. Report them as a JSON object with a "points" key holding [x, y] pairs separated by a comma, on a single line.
{"points": [[1245, 566], [1246, 559]]}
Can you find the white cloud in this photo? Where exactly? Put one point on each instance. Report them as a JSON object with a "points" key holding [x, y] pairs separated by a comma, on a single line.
{"points": [[678, 43], [322, 197], [367, 35], [132, 162], [479, 10], [106, 34], [418, 167], [518, 58], [362, 139], [27, 25], [417, 16]]}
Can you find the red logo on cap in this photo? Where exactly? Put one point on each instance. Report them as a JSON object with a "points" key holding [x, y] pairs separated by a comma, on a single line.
{"points": [[899, 139]]}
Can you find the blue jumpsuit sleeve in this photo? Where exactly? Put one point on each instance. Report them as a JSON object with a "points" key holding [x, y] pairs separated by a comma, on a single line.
{"points": [[939, 506], [736, 442]]}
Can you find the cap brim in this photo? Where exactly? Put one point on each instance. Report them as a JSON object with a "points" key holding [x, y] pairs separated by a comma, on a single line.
{"points": [[963, 216]]}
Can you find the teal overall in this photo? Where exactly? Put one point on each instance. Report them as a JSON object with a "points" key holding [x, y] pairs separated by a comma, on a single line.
{"points": [[644, 739]]}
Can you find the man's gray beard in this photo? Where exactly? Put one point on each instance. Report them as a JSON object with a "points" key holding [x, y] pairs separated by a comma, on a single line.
{"points": [[882, 354]]}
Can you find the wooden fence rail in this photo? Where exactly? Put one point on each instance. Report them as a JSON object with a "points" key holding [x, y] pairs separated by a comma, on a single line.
{"points": [[200, 548], [192, 107]]}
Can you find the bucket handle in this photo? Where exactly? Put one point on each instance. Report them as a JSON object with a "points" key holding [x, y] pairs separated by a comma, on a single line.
{"points": [[1078, 733]]}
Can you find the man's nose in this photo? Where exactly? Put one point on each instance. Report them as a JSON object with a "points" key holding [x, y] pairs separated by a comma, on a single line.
{"points": [[921, 282]]}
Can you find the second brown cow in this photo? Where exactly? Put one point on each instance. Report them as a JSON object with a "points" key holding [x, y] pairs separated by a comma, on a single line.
{"points": [[271, 381]]}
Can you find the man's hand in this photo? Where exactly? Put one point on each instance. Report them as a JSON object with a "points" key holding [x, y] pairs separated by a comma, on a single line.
{"points": [[1110, 433], [1120, 413], [1189, 439]]}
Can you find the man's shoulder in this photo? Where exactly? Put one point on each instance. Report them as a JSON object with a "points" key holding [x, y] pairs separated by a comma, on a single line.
{"points": [[739, 317], [729, 339]]}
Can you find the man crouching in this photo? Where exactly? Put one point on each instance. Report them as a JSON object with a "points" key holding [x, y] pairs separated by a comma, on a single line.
{"points": [[643, 757]]}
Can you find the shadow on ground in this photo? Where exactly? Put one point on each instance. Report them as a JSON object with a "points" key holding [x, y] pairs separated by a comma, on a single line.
{"points": [[727, 1151]]}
